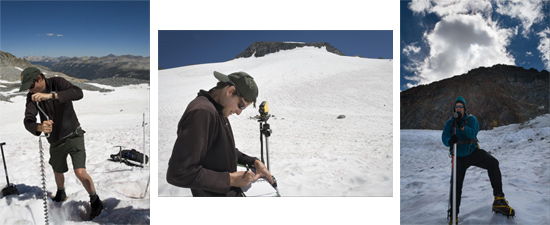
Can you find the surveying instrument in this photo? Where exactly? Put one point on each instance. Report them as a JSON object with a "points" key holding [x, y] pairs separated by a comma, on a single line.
{"points": [[265, 130]]}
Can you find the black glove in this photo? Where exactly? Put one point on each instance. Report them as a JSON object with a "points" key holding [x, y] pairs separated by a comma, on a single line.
{"points": [[458, 121], [453, 140]]}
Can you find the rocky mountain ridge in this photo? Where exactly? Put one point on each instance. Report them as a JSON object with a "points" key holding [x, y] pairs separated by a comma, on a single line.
{"points": [[90, 68], [10, 76], [262, 48], [496, 96]]}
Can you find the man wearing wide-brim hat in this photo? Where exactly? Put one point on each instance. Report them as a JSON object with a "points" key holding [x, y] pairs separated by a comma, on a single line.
{"points": [[54, 97], [204, 157]]}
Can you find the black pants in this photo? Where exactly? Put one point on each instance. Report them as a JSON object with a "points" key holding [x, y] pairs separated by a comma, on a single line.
{"points": [[482, 159]]}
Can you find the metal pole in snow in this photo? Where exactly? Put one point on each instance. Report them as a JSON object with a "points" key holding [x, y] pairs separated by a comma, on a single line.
{"points": [[143, 125], [454, 180]]}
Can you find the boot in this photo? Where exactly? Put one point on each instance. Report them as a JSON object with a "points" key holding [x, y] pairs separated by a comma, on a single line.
{"points": [[97, 206], [60, 196], [450, 217], [451, 222], [500, 205]]}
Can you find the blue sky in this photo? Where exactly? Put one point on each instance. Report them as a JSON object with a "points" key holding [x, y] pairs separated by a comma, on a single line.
{"points": [[74, 28], [440, 39], [182, 48]]}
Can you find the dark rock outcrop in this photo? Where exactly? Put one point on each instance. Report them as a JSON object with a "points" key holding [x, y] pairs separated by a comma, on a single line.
{"points": [[262, 48], [497, 96]]}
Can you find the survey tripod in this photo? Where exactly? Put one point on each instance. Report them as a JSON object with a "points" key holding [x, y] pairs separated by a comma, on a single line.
{"points": [[265, 131]]}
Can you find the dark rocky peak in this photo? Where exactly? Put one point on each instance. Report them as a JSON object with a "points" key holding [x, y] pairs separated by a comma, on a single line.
{"points": [[496, 96], [262, 48]]}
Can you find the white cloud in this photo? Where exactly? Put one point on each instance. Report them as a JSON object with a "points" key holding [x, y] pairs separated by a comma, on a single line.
{"points": [[528, 54], [50, 35], [527, 11], [451, 7], [544, 47], [459, 43], [412, 48], [466, 37], [419, 6]]}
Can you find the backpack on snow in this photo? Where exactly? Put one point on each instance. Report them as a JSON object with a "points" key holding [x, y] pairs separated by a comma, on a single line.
{"points": [[125, 155]]}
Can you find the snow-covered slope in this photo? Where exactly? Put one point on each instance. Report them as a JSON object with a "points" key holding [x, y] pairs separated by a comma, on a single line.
{"points": [[523, 151], [109, 119], [311, 152]]}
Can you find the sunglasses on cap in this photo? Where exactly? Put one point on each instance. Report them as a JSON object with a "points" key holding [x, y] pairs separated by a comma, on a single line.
{"points": [[242, 106]]}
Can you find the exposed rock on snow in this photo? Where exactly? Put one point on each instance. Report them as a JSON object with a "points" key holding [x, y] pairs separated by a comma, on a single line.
{"points": [[262, 48]]}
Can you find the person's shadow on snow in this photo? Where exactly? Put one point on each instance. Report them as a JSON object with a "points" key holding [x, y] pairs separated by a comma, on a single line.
{"points": [[110, 214], [25, 193], [78, 211]]}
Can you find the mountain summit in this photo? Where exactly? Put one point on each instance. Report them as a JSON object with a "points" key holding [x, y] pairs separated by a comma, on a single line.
{"points": [[262, 48], [496, 96]]}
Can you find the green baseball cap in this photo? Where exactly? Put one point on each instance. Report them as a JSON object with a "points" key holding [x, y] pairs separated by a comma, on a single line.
{"points": [[27, 77], [243, 82]]}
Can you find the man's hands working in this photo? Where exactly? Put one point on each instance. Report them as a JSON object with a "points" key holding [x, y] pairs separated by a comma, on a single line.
{"points": [[244, 178]]}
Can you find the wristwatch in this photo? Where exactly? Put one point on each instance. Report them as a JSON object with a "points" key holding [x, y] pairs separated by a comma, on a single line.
{"points": [[53, 95]]}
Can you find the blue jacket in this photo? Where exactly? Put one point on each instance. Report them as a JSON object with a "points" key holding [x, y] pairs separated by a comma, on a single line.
{"points": [[469, 133]]}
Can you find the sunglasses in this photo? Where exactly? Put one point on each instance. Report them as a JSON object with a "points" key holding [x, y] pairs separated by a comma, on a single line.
{"points": [[33, 82], [242, 106], [459, 106]]}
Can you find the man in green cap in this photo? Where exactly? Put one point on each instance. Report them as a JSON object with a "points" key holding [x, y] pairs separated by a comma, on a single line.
{"points": [[55, 96], [204, 157], [462, 129]]}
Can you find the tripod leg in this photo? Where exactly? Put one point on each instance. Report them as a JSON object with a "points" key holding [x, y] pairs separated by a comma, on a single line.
{"points": [[261, 144], [267, 152]]}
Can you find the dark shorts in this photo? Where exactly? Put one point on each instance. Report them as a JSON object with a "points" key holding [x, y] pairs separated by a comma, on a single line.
{"points": [[72, 145]]}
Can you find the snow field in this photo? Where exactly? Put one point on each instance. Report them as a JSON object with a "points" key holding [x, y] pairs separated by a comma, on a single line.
{"points": [[109, 119], [523, 153], [311, 152]]}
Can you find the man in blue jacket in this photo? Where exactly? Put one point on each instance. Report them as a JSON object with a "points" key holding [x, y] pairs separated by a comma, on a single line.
{"points": [[463, 131]]}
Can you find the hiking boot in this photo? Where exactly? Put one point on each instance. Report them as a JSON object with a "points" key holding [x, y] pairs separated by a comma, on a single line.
{"points": [[60, 196], [500, 205], [451, 222], [97, 206]]}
